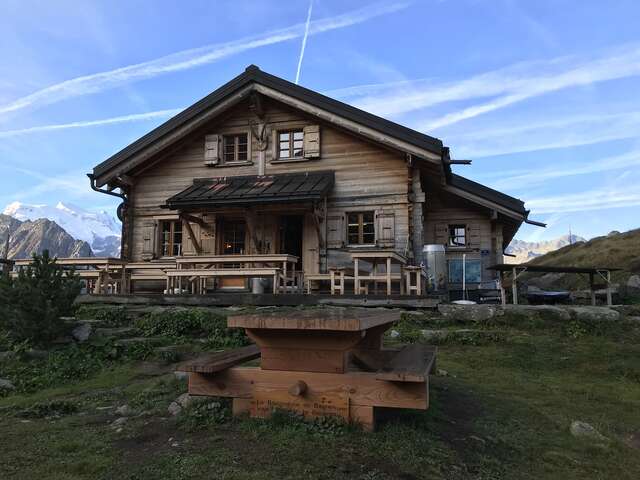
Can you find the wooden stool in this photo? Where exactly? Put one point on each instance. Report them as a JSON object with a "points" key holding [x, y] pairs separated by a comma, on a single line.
{"points": [[411, 286]]}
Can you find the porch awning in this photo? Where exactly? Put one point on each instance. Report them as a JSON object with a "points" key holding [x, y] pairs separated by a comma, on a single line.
{"points": [[253, 189]]}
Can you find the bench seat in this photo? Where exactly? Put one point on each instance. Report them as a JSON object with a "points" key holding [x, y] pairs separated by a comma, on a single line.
{"points": [[219, 361]]}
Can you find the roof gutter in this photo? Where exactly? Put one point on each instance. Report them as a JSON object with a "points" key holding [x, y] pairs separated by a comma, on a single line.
{"points": [[120, 195], [533, 222]]}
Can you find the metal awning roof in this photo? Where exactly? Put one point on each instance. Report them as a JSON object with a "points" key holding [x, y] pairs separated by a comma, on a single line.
{"points": [[253, 189], [508, 267]]}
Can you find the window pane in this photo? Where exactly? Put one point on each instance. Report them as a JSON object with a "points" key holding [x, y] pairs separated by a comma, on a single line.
{"points": [[298, 135], [284, 136], [297, 153]]}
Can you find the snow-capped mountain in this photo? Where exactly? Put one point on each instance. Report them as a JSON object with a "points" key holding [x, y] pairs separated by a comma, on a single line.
{"points": [[99, 229], [525, 251]]}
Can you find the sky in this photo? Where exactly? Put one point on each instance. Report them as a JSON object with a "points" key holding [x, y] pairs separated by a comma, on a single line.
{"points": [[543, 96]]}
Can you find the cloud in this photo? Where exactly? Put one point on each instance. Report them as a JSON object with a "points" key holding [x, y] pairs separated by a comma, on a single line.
{"points": [[91, 123], [187, 59], [500, 87], [549, 133], [596, 199], [73, 183], [304, 41]]}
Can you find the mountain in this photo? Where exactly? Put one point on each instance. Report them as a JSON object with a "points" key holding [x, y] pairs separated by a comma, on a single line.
{"points": [[526, 251], [26, 238], [100, 230]]}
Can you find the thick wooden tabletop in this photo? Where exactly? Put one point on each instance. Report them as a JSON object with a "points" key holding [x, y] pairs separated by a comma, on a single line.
{"points": [[377, 255], [347, 319]]}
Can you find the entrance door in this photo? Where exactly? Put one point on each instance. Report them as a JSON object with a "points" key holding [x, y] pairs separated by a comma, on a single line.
{"points": [[233, 243], [291, 228]]}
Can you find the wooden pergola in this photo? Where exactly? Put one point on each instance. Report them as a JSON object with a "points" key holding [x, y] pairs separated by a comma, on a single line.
{"points": [[516, 270]]}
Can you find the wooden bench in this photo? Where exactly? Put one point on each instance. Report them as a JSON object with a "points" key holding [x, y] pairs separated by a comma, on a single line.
{"points": [[219, 361], [147, 271], [200, 274], [335, 273], [414, 276]]}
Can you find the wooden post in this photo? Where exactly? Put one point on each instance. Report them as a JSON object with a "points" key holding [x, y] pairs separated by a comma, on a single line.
{"points": [[503, 293], [388, 276], [609, 302], [514, 286], [592, 290], [356, 277]]}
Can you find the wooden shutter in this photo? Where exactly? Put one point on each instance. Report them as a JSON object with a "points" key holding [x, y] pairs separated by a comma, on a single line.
{"points": [[386, 229], [212, 149], [442, 233], [149, 236], [335, 231], [473, 231], [311, 141]]}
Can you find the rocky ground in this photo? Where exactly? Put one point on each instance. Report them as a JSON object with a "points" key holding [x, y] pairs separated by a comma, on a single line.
{"points": [[520, 392]]}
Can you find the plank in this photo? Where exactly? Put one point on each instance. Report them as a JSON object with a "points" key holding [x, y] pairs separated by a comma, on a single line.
{"points": [[363, 388], [349, 319], [412, 364], [219, 361], [311, 405]]}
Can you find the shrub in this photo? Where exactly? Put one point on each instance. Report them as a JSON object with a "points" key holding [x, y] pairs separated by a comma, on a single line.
{"points": [[108, 316], [53, 408], [31, 304]]}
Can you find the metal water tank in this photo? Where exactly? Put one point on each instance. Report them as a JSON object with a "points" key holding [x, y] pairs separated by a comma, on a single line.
{"points": [[436, 267]]}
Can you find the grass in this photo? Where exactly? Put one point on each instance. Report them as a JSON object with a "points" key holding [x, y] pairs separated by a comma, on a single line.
{"points": [[502, 412]]}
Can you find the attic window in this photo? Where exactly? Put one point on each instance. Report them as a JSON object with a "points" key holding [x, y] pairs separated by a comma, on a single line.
{"points": [[235, 148], [290, 144], [457, 235]]}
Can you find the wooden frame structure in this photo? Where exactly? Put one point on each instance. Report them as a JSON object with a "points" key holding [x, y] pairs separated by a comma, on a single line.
{"points": [[317, 363], [517, 270]]}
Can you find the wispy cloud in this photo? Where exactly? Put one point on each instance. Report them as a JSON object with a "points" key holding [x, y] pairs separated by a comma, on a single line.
{"points": [[192, 58], [91, 123], [531, 177], [73, 183], [549, 133], [596, 199], [304, 41], [499, 88]]}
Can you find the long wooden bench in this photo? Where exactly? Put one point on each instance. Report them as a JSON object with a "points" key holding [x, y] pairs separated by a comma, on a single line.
{"points": [[219, 361], [200, 274], [147, 271]]}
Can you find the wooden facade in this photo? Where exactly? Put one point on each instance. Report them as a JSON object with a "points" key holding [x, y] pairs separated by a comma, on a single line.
{"points": [[390, 188]]}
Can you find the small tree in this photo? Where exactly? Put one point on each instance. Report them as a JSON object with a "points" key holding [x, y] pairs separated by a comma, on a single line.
{"points": [[31, 304]]}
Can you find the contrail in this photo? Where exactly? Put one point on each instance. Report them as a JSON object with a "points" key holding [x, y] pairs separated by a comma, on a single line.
{"points": [[192, 58], [92, 123], [304, 41]]}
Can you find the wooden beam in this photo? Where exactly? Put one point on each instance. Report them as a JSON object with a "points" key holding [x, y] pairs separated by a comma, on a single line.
{"points": [[192, 218], [219, 361]]}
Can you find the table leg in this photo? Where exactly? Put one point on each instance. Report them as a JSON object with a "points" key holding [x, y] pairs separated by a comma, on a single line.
{"points": [[419, 283], [356, 277], [332, 279], [388, 276]]}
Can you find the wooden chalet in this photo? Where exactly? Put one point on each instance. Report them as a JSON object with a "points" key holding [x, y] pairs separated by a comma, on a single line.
{"points": [[266, 179]]}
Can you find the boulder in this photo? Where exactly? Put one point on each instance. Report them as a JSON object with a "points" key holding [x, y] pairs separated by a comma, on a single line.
{"points": [[594, 314], [467, 313], [633, 282], [118, 422], [394, 334], [82, 332], [125, 411], [184, 401], [6, 384], [584, 430], [518, 313], [174, 408]]}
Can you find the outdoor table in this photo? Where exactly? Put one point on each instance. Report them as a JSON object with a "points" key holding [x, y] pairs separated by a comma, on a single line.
{"points": [[376, 257], [285, 261], [316, 362]]}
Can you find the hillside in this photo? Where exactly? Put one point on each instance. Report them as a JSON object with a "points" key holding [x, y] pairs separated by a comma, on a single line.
{"points": [[26, 238], [616, 250], [525, 251]]}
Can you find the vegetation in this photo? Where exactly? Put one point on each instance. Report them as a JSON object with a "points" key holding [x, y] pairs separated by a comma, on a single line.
{"points": [[500, 408], [31, 304]]}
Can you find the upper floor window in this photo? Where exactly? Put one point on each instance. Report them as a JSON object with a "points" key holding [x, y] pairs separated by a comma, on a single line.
{"points": [[171, 240], [457, 235], [235, 148], [290, 144], [360, 228]]}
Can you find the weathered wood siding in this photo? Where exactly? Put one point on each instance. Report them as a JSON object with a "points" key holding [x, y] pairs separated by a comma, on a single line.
{"points": [[367, 177]]}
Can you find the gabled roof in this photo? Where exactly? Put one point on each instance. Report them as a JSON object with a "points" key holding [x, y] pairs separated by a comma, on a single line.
{"points": [[253, 74], [477, 189], [253, 189]]}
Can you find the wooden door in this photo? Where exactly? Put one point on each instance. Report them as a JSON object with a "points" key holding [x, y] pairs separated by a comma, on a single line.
{"points": [[233, 240]]}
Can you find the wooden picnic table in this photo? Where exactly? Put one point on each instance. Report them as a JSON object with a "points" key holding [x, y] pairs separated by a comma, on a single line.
{"points": [[376, 258], [316, 362], [251, 263]]}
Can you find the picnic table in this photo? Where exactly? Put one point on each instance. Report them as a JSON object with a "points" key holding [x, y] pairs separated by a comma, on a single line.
{"points": [[316, 362], [376, 258], [248, 266]]}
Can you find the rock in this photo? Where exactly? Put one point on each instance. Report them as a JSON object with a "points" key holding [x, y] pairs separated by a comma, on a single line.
{"points": [[627, 310], [125, 411], [82, 332], [594, 314], [234, 308], [174, 408], [522, 313], [118, 422], [613, 233], [442, 373], [413, 313], [394, 334], [584, 430], [634, 282], [434, 334], [467, 313], [6, 384]]}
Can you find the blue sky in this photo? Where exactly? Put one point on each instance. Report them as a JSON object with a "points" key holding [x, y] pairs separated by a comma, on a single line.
{"points": [[543, 96]]}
